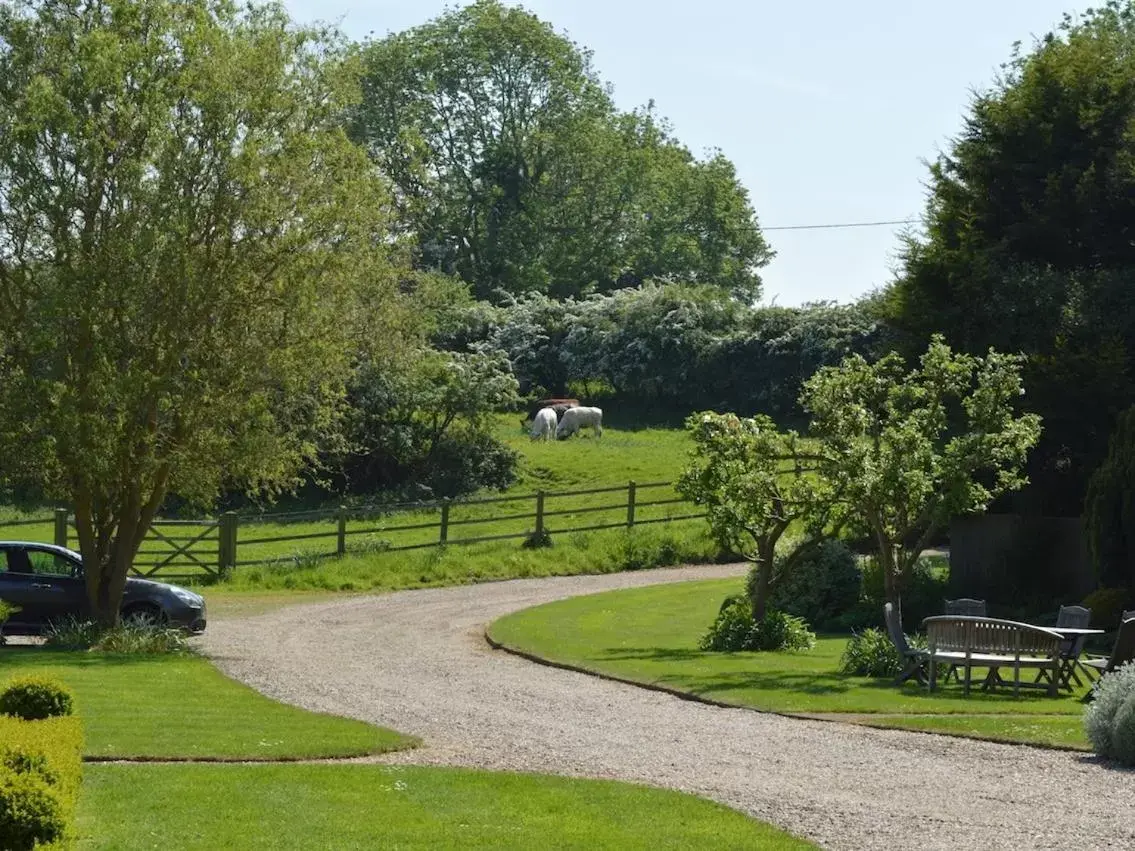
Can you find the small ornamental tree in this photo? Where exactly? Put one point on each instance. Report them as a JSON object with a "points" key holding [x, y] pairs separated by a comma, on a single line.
{"points": [[755, 482], [185, 232], [911, 449]]}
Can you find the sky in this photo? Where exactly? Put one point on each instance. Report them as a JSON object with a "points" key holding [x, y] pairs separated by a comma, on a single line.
{"points": [[829, 109]]}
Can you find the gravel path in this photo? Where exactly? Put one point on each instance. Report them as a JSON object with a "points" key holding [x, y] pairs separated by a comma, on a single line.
{"points": [[417, 661]]}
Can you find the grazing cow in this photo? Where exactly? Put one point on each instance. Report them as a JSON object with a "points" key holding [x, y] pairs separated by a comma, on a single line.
{"points": [[560, 405], [544, 424], [576, 418]]}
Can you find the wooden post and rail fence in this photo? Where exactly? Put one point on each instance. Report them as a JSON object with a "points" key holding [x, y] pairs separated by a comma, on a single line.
{"points": [[209, 548]]}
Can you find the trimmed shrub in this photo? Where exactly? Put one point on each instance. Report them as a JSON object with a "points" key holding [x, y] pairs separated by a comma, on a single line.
{"points": [[1109, 720], [35, 698], [1107, 605], [923, 592], [734, 629], [31, 812], [823, 585], [40, 772]]}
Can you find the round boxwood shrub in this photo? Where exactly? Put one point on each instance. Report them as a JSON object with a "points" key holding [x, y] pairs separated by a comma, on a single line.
{"points": [[33, 698], [821, 586], [1109, 720], [734, 629], [31, 813]]}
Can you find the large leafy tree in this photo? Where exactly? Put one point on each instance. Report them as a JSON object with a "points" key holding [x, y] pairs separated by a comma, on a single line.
{"points": [[514, 171], [1028, 243], [182, 226], [912, 448], [756, 482]]}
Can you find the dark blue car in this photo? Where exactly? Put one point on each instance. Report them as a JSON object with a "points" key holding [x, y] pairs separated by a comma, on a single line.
{"points": [[47, 583]]}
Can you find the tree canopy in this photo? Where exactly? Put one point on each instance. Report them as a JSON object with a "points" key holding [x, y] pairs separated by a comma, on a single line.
{"points": [[1030, 239], [755, 482], [912, 448], [513, 170], [184, 227]]}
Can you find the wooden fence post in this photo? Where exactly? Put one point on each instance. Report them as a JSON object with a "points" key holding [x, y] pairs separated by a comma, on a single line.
{"points": [[539, 514], [226, 542], [443, 533], [630, 503], [341, 540], [61, 527]]}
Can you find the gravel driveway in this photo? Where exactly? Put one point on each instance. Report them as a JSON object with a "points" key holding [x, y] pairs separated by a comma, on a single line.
{"points": [[417, 661]]}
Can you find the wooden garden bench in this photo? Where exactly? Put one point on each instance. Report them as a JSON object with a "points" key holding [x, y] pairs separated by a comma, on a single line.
{"points": [[972, 642]]}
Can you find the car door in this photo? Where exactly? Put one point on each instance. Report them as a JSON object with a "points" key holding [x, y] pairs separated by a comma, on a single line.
{"points": [[16, 588], [57, 584]]}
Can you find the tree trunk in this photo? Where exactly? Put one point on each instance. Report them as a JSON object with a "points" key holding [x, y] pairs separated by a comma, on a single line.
{"points": [[759, 596], [109, 540], [890, 578]]}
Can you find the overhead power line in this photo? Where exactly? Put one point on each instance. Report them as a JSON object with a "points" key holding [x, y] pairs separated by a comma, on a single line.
{"points": [[842, 225]]}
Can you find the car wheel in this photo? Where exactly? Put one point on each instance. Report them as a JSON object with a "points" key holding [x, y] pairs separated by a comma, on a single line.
{"points": [[143, 615]]}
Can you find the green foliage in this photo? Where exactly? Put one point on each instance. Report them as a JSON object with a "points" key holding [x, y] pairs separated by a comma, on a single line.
{"points": [[128, 637], [734, 629], [1108, 606], [189, 242], [1109, 508], [426, 423], [823, 585], [6, 611], [666, 346], [31, 814], [755, 482], [35, 698], [907, 450], [40, 772], [540, 185], [871, 653], [1109, 719], [1026, 247], [923, 589]]}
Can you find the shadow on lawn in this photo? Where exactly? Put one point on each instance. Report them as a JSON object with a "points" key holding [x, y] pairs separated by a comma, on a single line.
{"points": [[732, 685], [19, 655]]}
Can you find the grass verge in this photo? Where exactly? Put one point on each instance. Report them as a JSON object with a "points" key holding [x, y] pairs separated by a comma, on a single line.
{"points": [[374, 806], [184, 708], [649, 635]]}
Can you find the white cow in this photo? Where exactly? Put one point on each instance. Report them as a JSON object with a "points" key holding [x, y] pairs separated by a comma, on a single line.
{"points": [[576, 418], [543, 424]]}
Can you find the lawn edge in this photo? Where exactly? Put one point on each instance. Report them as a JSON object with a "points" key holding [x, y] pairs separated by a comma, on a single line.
{"points": [[722, 704]]}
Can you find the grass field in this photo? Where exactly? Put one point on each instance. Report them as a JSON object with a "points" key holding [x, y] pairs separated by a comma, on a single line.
{"points": [[213, 807], [184, 708], [647, 456], [650, 635]]}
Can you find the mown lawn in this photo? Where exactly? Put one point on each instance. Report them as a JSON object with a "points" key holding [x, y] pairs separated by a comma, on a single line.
{"points": [[650, 635], [373, 806], [183, 707]]}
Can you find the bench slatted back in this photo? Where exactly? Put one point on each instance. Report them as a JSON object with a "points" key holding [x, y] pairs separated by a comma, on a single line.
{"points": [[959, 634]]}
